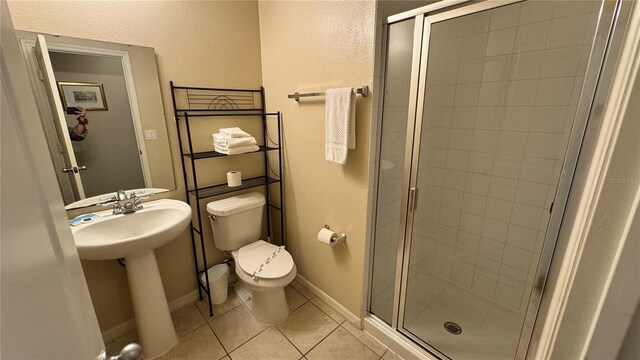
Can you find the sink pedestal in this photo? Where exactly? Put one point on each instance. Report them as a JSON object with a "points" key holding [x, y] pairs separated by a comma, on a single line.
{"points": [[155, 328], [133, 237]]}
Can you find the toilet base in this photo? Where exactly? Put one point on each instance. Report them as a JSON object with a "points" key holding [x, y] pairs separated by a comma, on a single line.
{"points": [[267, 305]]}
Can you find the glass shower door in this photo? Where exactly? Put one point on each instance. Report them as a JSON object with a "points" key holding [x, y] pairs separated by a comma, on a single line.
{"points": [[499, 88], [389, 226]]}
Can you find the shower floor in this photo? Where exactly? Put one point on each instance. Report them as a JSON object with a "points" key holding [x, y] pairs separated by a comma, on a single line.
{"points": [[489, 329]]}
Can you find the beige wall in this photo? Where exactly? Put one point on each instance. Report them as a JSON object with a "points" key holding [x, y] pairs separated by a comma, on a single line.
{"points": [[311, 46], [617, 330], [306, 46], [631, 346], [613, 214], [203, 43]]}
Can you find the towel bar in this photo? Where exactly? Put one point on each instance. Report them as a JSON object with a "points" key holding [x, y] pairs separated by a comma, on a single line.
{"points": [[364, 91]]}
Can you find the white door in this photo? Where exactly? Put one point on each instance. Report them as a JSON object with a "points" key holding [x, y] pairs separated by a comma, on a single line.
{"points": [[72, 168], [46, 309]]}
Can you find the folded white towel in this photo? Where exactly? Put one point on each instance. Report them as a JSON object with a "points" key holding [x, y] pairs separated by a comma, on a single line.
{"points": [[226, 147], [339, 125], [237, 150], [225, 141], [235, 132]]}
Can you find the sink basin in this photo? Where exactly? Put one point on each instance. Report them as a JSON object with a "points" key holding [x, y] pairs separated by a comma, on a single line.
{"points": [[117, 236], [134, 238]]}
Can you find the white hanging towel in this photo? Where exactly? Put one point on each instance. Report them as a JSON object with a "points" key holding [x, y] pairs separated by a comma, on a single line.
{"points": [[339, 124], [234, 132]]}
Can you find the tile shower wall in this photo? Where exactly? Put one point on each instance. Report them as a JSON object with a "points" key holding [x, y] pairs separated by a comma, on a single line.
{"points": [[502, 90]]}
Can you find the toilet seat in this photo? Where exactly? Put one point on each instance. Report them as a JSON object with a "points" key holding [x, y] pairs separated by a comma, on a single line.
{"points": [[264, 261]]}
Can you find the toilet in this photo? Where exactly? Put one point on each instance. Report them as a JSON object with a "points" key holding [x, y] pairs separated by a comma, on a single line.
{"points": [[264, 269]]}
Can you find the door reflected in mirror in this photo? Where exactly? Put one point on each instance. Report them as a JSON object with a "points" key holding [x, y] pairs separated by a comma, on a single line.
{"points": [[106, 145]]}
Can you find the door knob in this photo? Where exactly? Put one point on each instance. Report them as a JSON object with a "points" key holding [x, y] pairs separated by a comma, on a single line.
{"points": [[132, 351], [74, 169]]}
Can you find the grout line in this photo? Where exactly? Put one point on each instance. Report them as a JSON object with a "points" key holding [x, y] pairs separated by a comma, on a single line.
{"points": [[314, 305], [251, 338], [210, 318], [298, 292], [339, 324], [292, 344], [194, 304], [263, 330], [270, 326], [383, 354], [217, 338], [305, 353], [192, 330], [299, 306], [362, 342], [301, 285], [321, 340]]}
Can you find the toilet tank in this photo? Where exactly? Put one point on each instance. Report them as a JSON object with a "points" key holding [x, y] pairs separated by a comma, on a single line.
{"points": [[236, 221]]}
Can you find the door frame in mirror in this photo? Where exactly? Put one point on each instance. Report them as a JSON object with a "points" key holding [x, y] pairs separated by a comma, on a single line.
{"points": [[28, 48]]}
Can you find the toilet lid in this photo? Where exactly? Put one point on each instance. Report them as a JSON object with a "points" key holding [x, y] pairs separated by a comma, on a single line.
{"points": [[255, 255]]}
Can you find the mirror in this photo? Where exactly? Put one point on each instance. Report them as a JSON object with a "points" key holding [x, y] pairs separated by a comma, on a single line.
{"points": [[121, 142]]}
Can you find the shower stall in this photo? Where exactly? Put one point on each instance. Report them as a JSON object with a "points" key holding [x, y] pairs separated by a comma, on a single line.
{"points": [[483, 115]]}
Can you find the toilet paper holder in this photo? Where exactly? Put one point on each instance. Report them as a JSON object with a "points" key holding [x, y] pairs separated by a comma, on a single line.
{"points": [[335, 238]]}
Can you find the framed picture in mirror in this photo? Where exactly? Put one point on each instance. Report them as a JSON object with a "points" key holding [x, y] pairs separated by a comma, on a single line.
{"points": [[89, 96]]}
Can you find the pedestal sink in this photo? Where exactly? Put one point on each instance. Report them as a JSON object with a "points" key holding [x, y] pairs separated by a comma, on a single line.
{"points": [[134, 237]]}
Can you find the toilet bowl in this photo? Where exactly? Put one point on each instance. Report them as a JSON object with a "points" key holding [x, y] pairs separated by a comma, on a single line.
{"points": [[268, 301], [264, 269]]}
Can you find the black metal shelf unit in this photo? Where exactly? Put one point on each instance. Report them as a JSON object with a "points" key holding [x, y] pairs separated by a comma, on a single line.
{"points": [[210, 104]]}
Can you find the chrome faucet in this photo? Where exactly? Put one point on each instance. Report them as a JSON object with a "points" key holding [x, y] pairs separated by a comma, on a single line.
{"points": [[134, 204]]}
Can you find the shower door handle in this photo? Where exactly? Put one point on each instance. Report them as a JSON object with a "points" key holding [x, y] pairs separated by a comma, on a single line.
{"points": [[413, 199]]}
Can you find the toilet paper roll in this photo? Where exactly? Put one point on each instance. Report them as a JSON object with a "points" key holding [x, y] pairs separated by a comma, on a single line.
{"points": [[234, 178], [324, 236]]}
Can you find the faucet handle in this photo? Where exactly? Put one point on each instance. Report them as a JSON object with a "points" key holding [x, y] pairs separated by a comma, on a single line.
{"points": [[121, 195], [117, 208], [137, 204]]}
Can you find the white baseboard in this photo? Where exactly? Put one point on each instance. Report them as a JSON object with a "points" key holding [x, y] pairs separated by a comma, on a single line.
{"points": [[129, 325], [351, 317], [118, 330], [183, 301]]}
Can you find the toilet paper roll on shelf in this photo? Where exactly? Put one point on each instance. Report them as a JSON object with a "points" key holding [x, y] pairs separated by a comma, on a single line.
{"points": [[331, 238], [234, 178]]}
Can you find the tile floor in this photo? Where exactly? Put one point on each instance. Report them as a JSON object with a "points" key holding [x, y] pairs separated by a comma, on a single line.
{"points": [[313, 331]]}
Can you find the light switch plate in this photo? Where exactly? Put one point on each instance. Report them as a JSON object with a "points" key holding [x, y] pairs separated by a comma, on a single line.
{"points": [[151, 134]]}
